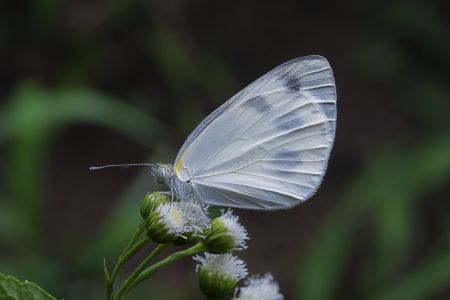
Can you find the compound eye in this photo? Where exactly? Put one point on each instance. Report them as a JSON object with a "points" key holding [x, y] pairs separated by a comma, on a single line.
{"points": [[157, 173]]}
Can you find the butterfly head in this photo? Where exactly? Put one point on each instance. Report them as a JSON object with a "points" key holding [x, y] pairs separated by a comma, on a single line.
{"points": [[162, 173]]}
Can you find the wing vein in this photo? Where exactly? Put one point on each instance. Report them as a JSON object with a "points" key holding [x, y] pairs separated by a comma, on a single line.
{"points": [[297, 128], [318, 86], [314, 72], [303, 82], [264, 115], [264, 189], [275, 179]]}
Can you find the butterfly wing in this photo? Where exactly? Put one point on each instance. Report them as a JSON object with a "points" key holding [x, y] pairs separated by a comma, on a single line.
{"points": [[268, 146]]}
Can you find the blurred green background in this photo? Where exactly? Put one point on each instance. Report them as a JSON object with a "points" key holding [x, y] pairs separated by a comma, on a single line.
{"points": [[94, 82]]}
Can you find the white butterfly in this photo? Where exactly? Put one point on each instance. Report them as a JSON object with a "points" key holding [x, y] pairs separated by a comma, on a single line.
{"points": [[266, 148]]}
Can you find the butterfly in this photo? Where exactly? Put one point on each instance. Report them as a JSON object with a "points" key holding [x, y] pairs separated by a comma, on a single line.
{"points": [[266, 148]]}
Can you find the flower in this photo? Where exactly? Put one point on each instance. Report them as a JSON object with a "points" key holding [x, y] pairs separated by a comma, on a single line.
{"points": [[197, 221], [180, 222], [225, 234], [219, 273], [166, 222], [259, 288]]}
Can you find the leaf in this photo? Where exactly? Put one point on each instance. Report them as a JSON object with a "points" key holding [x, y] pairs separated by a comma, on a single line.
{"points": [[13, 289], [109, 284], [105, 271]]}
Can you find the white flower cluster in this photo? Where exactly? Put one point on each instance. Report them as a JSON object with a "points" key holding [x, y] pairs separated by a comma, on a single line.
{"points": [[196, 218], [235, 229], [179, 217], [259, 288], [225, 265], [181, 222], [177, 222], [172, 217]]}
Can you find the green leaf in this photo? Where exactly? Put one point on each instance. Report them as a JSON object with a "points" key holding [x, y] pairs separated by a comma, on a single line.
{"points": [[105, 271], [13, 289], [109, 284]]}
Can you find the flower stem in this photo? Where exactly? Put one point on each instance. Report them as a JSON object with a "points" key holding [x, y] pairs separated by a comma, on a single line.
{"points": [[128, 252], [128, 284], [170, 259]]}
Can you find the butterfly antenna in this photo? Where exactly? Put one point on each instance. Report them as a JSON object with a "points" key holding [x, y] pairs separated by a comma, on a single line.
{"points": [[95, 168]]}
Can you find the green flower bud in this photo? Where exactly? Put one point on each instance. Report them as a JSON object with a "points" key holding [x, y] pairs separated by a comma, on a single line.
{"points": [[151, 201], [218, 275], [225, 234], [166, 223], [214, 285]]}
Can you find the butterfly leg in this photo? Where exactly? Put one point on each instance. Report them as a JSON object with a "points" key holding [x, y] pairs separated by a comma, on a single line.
{"points": [[166, 193]]}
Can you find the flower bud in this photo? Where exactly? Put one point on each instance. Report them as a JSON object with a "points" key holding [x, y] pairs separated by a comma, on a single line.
{"points": [[225, 234], [259, 288], [151, 201], [218, 274], [166, 223]]}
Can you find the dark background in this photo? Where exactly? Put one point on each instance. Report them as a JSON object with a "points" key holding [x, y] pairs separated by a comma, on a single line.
{"points": [[94, 82]]}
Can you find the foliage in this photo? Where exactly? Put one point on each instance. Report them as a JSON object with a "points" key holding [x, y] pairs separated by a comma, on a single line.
{"points": [[13, 289]]}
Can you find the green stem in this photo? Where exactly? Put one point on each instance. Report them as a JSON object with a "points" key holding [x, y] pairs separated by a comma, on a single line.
{"points": [[127, 285], [127, 256], [170, 259], [128, 252]]}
